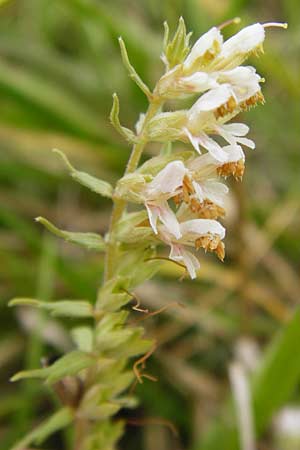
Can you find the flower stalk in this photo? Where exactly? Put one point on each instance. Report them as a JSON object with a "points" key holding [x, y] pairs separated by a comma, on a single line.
{"points": [[177, 201]]}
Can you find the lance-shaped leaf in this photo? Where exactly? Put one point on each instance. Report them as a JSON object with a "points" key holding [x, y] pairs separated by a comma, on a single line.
{"points": [[94, 184], [115, 121], [131, 70], [70, 364], [92, 241], [62, 308], [56, 422]]}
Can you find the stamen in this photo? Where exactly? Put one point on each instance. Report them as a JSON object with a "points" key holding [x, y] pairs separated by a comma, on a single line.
{"points": [[232, 168], [275, 24], [236, 21]]}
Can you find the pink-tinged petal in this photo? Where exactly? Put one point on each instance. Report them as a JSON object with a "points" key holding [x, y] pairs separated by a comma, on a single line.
{"points": [[191, 263], [237, 129], [167, 180], [194, 140], [169, 219], [179, 254], [247, 142], [153, 213], [204, 44], [245, 41], [201, 227], [215, 150]]}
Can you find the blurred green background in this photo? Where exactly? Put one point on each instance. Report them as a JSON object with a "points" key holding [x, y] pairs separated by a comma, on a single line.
{"points": [[59, 65]]}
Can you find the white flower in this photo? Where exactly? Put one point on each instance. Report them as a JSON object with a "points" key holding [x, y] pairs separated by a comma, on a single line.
{"points": [[206, 165], [202, 196], [233, 133], [163, 187], [211, 190], [197, 82], [244, 82], [195, 233], [204, 50], [201, 121], [237, 48]]}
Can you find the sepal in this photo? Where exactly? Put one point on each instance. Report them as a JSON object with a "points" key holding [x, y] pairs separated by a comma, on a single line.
{"points": [[130, 187], [91, 241], [61, 308], [166, 126], [94, 184], [115, 121], [175, 50], [70, 364], [131, 70]]}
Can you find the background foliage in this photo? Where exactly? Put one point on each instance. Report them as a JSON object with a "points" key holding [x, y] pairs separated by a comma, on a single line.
{"points": [[59, 65]]}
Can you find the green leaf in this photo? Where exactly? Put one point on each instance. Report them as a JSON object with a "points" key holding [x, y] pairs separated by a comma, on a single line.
{"points": [[70, 364], [64, 308], [115, 121], [131, 70], [91, 241], [56, 422], [94, 184]]}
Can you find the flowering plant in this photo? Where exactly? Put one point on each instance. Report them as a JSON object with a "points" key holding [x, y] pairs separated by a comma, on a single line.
{"points": [[177, 200]]}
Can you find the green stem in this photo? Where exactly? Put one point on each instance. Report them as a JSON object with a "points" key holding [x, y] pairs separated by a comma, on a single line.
{"points": [[120, 205]]}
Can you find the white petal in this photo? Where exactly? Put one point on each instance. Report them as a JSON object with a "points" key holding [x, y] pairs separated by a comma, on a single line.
{"points": [[167, 180], [191, 263], [204, 43], [199, 82], [245, 41], [201, 227], [194, 140], [178, 253], [215, 150], [169, 220], [211, 100], [237, 129], [215, 191], [153, 212], [240, 75], [199, 191], [234, 153], [247, 142], [233, 138]]}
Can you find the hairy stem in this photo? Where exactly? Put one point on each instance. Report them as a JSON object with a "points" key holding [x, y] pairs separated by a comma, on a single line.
{"points": [[81, 426], [120, 205]]}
